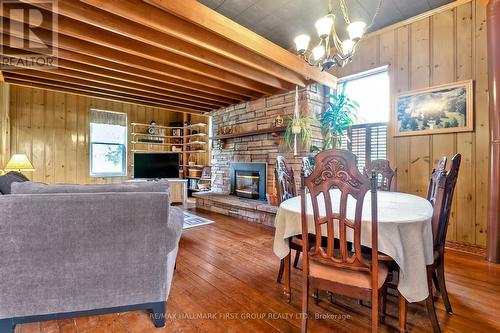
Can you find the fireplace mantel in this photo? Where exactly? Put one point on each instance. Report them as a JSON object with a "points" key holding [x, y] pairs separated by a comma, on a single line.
{"points": [[275, 131]]}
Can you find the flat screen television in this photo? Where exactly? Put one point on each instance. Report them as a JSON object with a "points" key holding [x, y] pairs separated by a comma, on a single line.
{"points": [[156, 165]]}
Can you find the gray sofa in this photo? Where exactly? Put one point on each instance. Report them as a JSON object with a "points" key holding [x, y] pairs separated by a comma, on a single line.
{"points": [[71, 250]]}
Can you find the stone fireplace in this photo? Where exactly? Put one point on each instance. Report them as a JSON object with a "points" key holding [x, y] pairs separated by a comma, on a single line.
{"points": [[260, 148], [248, 180]]}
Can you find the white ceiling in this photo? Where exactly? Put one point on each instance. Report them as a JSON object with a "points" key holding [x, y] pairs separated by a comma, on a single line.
{"points": [[281, 20]]}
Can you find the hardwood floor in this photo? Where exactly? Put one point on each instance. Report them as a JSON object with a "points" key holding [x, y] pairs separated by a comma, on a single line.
{"points": [[226, 282]]}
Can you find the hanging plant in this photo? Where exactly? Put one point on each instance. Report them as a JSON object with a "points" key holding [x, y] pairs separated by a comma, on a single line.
{"points": [[339, 115], [298, 127]]}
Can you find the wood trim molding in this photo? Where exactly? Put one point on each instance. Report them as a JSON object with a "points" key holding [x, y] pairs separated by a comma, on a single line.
{"points": [[413, 19]]}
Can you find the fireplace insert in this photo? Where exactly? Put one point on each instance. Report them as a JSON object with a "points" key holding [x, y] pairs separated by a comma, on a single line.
{"points": [[248, 180]]}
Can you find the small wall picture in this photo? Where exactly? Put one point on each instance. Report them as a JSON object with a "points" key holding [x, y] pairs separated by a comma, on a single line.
{"points": [[441, 109]]}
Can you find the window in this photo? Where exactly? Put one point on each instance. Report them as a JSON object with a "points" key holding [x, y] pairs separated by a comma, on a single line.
{"points": [[368, 138], [108, 144]]}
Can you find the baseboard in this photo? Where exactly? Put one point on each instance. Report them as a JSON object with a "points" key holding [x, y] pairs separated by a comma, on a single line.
{"points": [[461, 247]]}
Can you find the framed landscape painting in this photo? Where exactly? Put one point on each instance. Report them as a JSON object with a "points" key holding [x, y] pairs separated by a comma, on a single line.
{"points": [[446, 108]]}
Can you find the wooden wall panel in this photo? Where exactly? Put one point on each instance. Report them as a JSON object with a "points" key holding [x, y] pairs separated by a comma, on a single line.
{"points": [[52, 128], [4, 124], [446, 46]]}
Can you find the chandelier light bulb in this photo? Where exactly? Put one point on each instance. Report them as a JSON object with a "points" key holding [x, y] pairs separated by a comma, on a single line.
{"points": [[356, 30], [324, 26], [302, 43], [318, 52], [347, 46]]}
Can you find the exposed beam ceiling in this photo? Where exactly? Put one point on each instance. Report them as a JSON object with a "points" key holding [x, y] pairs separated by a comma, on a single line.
{"points": [[157, 55]]}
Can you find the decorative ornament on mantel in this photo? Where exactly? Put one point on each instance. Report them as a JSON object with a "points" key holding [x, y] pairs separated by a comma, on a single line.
{"points": [[331, 50]]}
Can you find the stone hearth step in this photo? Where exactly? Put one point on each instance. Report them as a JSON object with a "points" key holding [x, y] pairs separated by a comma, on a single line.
{"points": [[248, 209]]}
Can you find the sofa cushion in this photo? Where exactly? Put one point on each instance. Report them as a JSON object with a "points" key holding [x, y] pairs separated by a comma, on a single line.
{"points": [[40, 188], [8, 179]]}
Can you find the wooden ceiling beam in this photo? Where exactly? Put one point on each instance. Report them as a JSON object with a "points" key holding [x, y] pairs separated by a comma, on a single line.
{"points": [[106, 53], [199, 25], [76, 70], [143, 84], [136, 11], [86, 94], [30, 81], [88, 33], [90, 15], [168, 81], [54, 75], [201, 15]]}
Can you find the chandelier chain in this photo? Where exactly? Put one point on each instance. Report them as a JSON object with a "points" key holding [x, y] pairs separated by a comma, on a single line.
{"points": [[375, 15], [345, 12]]}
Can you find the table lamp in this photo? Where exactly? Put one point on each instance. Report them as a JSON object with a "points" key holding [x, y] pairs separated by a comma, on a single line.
{"points": [[19, 162]]}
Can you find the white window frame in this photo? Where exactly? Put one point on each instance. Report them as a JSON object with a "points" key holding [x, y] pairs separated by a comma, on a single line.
{"points": [[368, 126], [123, 173]]}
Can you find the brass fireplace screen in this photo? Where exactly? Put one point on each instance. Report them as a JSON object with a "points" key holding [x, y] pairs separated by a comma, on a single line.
{"points": [[248, 180], [247, 183]]}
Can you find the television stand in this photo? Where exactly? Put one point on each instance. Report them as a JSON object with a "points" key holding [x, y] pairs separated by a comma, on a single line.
{"points": [[178, 190]]}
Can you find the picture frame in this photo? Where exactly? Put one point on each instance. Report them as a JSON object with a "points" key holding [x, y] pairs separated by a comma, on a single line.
{"points": [[446, 108]]}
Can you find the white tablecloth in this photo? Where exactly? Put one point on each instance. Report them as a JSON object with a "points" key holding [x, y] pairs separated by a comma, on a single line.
{"points": [[404, 227]]}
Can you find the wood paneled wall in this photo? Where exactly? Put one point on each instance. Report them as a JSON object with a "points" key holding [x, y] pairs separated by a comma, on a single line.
{"points": [[4, 124], [447, 46], [52, 128]]}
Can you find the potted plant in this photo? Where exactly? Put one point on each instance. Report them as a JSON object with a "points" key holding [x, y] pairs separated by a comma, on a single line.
{"points": [[339, 114]]}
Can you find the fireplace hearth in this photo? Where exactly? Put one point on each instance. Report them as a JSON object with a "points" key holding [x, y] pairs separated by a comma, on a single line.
{"points": [[248, 180]]}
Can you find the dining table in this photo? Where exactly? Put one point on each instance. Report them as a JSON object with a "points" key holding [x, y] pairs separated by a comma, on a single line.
{"points": [[404, 234]]}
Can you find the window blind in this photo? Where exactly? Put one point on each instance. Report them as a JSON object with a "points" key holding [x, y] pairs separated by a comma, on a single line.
{"points": [[367, 141]]}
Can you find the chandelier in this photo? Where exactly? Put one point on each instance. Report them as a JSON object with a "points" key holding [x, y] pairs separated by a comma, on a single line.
{"points": [[331, 50]]}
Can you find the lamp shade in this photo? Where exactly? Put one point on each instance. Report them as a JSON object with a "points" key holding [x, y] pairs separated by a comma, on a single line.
{"points": [[19, 162], [324, 26], [318, 52], [347, 46], [356, 30], [302, 43]]}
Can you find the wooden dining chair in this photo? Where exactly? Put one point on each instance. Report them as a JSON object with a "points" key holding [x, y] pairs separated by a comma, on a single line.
{"points": [[307, 166], [286, 188], [440, 221], [333, 269], [445, 188], [386, 176], [433, 181]]}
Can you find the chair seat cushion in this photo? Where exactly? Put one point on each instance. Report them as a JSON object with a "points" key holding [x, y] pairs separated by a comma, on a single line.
{"points": [[346, 276]]}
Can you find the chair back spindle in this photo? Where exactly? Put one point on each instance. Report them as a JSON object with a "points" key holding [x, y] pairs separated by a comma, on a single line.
{"points": [[386, 176], [284, 180], [433, 181]]}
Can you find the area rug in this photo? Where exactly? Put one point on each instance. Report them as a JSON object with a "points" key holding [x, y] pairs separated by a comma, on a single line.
{"points": [[191, 220]]}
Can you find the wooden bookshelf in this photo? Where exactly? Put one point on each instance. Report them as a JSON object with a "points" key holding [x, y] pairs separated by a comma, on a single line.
{"points": [[163, 141]]}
